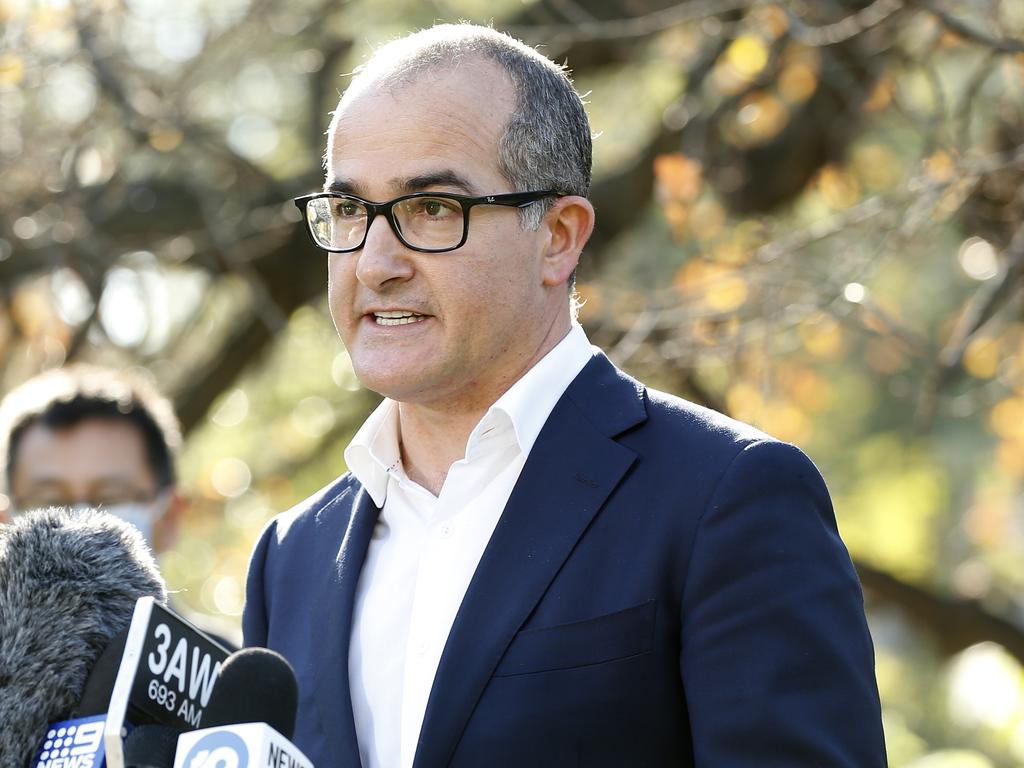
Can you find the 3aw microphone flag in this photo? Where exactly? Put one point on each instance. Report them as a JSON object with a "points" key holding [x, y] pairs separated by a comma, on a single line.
{"points": [[166, 676]]}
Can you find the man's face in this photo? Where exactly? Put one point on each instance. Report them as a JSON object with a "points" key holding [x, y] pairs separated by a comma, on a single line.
{"points": [[98, 462], [482, 312]]}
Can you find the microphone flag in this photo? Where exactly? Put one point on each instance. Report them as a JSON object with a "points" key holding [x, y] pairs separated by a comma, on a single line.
{"points": [[248, 745], [74, 743], [166, 675]]}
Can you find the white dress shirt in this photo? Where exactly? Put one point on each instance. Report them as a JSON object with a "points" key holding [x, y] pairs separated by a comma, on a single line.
{"points": [[425, 549]]}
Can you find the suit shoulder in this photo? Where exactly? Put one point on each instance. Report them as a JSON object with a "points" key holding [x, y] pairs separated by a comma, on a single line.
{"points": [[672, 412], [325, 506], [716, 440]]}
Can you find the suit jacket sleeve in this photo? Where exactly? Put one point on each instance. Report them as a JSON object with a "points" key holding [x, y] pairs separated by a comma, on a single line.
{"points": [[776, 659], [254, 616]]}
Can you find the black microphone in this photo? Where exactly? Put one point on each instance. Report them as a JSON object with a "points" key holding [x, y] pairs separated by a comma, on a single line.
{"points": [[150, 746], [251, 716], [256, 685], [69, 582], [99, 686]]}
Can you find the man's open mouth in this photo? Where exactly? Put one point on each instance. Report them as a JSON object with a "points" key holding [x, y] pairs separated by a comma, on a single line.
{"points": [[400, 317]]}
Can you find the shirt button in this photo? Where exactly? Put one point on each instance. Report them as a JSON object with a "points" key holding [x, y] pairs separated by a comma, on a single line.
{"points": [[446, 530], [421, 648]]}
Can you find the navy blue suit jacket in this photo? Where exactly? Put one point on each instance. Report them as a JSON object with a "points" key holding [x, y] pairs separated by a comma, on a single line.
{"points": [[665, 587]]}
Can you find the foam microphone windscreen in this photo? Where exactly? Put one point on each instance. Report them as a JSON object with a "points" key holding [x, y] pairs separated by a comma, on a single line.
{"points": [[69, 581], [256, 685]]}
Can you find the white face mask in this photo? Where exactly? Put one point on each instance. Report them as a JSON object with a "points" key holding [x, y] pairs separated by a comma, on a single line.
{"points": [[142, 514]]}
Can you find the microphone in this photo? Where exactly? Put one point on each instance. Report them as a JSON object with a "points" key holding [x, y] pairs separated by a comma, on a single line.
{"points": [[79, 741], [151, 683], [99, 686], [166, 676], [150, 746], [256, 685], [252, 713], [69, 582]]}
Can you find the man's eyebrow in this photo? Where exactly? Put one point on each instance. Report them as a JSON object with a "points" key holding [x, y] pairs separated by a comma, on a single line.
{"points": [[419, 183], [343, 186], [442, 178], [35, 484], [114, 479]]}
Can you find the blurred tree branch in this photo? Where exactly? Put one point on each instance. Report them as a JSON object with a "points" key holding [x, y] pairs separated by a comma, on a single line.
{"points": [[232, 210], [950, 22], [952, 623]]}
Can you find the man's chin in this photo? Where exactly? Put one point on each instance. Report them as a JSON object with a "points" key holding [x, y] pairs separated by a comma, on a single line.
{"points": [[404, 386]]}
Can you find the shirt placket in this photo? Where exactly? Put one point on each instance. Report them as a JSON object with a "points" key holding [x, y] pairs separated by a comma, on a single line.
{"points": [[430, 607]]}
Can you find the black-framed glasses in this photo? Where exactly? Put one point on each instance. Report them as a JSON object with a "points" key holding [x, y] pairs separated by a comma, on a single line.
{"points": [[429, 222]]}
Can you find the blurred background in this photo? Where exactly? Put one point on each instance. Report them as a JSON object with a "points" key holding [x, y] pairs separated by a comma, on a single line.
{"points": [[810, 217]]}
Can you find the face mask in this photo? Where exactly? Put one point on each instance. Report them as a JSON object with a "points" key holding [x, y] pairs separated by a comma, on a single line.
{"points": [[143, 515]]}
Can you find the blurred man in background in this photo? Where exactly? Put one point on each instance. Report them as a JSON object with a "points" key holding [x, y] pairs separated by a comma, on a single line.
{"points": [[89, 436], [84, 435]]}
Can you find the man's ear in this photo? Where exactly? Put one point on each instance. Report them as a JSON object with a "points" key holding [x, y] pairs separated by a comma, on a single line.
{"points": [[570, 221]]}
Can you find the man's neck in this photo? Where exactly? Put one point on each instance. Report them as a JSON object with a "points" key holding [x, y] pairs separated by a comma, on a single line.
{"points": [[432, 440], [433, 436]]}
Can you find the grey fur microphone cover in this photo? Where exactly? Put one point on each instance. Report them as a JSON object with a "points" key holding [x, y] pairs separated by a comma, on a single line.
{"points": [[68, 583]]}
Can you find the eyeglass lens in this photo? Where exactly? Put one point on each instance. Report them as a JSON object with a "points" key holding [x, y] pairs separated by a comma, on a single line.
{"points": [[339, 223]]}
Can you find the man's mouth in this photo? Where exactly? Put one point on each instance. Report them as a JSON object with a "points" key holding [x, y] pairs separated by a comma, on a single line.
{"points": [[397, 317]]}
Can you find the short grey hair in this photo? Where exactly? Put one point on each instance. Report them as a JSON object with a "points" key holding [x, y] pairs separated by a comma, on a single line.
{"points": [[546, 143]]}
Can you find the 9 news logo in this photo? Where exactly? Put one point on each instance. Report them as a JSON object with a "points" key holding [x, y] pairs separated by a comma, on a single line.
{"points": [[73, 744], [218, 750]]}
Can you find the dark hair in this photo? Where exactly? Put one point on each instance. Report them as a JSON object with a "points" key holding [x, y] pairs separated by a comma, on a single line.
{"points": [[65, 397], [546, 143]]}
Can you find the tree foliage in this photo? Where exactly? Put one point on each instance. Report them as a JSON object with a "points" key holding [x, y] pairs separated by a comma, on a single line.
{"points": [[810, 217]]}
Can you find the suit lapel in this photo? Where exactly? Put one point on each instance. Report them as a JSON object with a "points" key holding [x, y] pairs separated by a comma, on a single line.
{"points": [[332, 639], [572, 469]]}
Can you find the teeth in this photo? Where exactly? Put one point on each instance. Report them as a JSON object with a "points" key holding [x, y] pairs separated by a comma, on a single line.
{"points": [[400, 317]]}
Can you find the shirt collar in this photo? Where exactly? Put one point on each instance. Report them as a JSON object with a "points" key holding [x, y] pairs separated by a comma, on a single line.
{"points": [[374, 452], [529, 402]]}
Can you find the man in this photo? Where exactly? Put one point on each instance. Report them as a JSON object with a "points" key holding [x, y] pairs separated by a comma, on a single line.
{"points": [[535, 560], [85, 435]]}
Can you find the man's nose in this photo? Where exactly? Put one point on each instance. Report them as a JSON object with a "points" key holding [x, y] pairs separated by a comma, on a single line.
{"points": [[383, 258]]}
